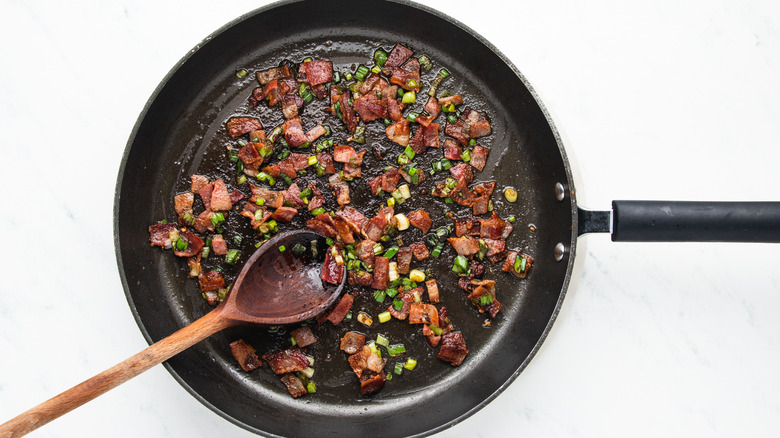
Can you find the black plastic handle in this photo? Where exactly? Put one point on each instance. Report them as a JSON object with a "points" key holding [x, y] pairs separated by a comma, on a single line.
{"points": [[680, 221]]}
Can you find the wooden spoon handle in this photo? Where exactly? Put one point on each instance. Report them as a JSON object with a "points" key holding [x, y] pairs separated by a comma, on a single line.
{"points": [[114, 376]]}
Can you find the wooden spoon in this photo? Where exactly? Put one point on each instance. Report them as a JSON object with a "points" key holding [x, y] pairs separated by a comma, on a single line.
{"points": [[276, 286]]}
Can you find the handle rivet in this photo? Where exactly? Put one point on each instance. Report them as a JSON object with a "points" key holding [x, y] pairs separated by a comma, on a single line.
{"points": [[560, 192], [560, 250]]}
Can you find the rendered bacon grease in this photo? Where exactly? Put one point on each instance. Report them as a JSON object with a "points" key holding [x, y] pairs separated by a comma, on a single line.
{"points": [[346, 130]]}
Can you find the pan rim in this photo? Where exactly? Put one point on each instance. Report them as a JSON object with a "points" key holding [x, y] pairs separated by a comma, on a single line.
{"points": [[569, 184]]}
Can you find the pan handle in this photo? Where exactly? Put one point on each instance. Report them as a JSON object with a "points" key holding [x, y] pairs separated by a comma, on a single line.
{"points": [[683, 221]]}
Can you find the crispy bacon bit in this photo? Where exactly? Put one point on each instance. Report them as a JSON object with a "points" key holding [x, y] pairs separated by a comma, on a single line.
{"points": [[340, 188], [266, 76], [509, 264], [182, 204], [303, 336], [361, 278], [332, 272], [404, 260], [211, 280], [284, 214], [203, 222], [398, 56], [343, 230], [294, 385], [475, 124], [198, 182], [467, 226], [370, 108], [365, 252], [416, 140], [368, 367], [322, 224], [407, 298], [387, 182], [238, 126], [431, 136], [340, 311], [481, 202], [220, 198], [394, 108], [219, 245], [398, 132], [479, 157], [194, 244], [353, 217], [433, 290], [318, 72], [452, 150], [487, 290], [348, 113], [419, 250], [466, 245], [325, 161], [433, 109], [406, 75], [462, 172], [380, 224], [492, 228], [159, 234], [381, 273], [420, 313], [453, 348], [315, 133], [286, 361], [245, 355], [421, 220], [352, 342], [293, 132]]}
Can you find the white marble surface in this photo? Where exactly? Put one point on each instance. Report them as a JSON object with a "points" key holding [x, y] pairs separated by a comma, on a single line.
{"points": [[655, 100]]}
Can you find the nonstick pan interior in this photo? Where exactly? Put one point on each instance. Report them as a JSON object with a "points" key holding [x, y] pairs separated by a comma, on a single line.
{"points": [[181, 132]]}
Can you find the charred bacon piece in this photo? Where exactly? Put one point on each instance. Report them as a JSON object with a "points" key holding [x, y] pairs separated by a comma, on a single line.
{"points": [[245, 355], [453, 348], [286, 361], [238, 126]]}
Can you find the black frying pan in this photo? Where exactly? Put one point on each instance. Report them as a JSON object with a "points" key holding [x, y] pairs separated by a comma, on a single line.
{"points": [[181, 132]]}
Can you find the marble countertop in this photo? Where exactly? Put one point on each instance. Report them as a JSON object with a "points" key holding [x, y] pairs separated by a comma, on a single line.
{"points": [[654, 100]]}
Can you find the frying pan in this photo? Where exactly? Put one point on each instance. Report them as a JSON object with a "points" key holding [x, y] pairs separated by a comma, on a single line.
{"points": [[180, 128]]}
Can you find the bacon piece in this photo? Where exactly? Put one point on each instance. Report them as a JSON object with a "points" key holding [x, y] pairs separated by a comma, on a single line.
{"points": [[284, 214], [492, 306], [394, 107], [211, 280], [474, 124], [355, 219], [348, 155], [465, 245], [298, 160], [318, 72], [340, 188], [332, 272], [431, 136], [219, 245], [292, 196], [325, 161], [340, 311], [241, 125], [159, 234], [482, 200], [293, 132], [381, 273], [315, 133], [453, 348], [220, 198], [198, 182], [406, 297], [365, 252], [451, 150], [271, 199], [509, 264], [352, 342], [194, 244], [492, 228], [433, 290], [245, 355], [266, 76], [369, 107], [387, 182], [455, 130], [286, 361], [348, 113], [454, 99], [462, 172], [361, 278], [398, 56], [494, 246], [432, 108], [203, 222], [416, 140], [421, 313], [343, 230], [290, 105], [368, 367], [407, 77], [205, 195], [303, 336], [322, 227], [398, 132], [467, 226], [479, 157], [294, 385], [420, 251], [380, 224], [420, 219], [461, 193], [182, 204], [404, 260]]}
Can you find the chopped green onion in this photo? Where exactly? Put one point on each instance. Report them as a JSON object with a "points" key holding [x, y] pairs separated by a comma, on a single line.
{"points": [[486, 300], [361, 72], [311, 388], [425, 63], [380, 57], [398, 304], [465, 155], [451, 118], [436, 251], [411, 84], [446, 164], [444, 72], [379, 296], [377, 248], [312, 160], [336, 77], [282, 248], [395, 349], [241, 73], [403, 159], [410, 364], [391, 292], [510, 194], [305, 193], [412, 116], [217, 219], [383, 341], [299, 249], [460, 265], [520, 263], [409, 97], [376, 69], [409, 152], [391, 252], [435, 329], [181, 244], [237, 239], [232, 256], [398, 369], [204, 253]]}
